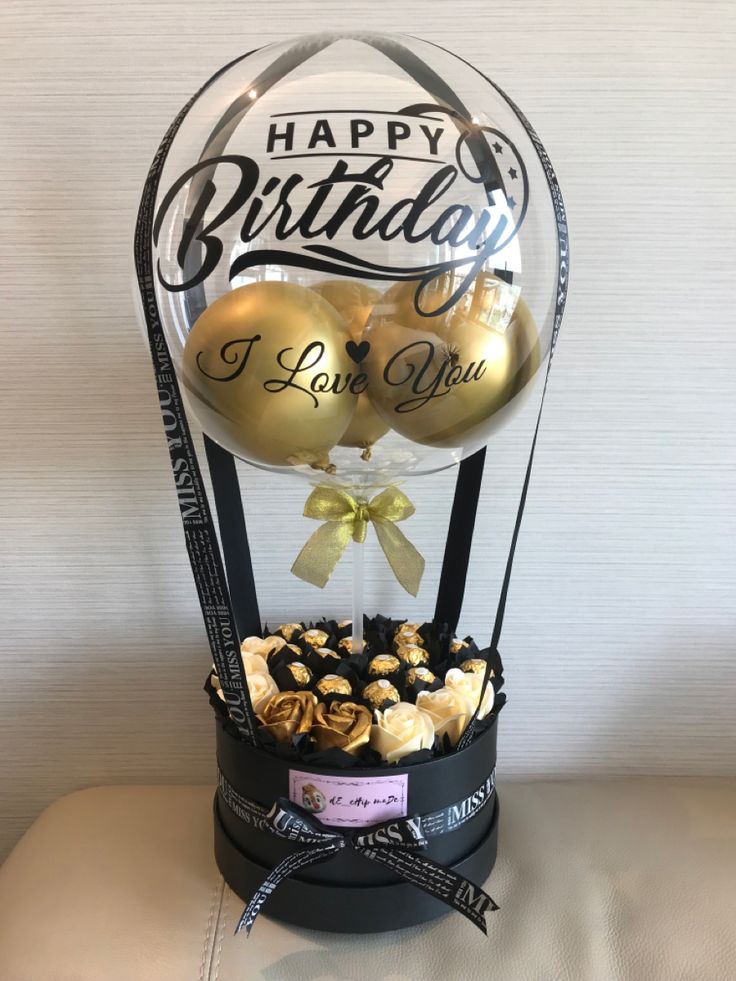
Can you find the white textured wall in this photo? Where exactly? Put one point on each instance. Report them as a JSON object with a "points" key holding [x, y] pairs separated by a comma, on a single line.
{"points": [[619, 646]]}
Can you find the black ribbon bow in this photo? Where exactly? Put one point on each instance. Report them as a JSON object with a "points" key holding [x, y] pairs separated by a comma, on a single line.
{"points": [[394, 844]]}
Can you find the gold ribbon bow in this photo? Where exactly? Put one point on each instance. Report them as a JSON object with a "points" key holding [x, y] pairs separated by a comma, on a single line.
{"points": [[348, 517]]}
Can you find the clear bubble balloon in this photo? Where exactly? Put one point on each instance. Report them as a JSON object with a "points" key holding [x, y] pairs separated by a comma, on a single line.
{"points": [[357, 258]]}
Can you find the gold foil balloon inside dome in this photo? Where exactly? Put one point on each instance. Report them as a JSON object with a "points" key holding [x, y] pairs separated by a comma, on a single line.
{"points": [[444, 380], [268, 375], [301, 171], [354, 302]]}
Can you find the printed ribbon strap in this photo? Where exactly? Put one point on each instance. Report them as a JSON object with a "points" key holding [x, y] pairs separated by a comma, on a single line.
{"points": [[392, 843], [348, 517]]}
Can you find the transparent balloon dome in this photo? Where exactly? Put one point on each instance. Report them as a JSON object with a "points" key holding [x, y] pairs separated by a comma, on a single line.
{"points": [[357, 258]]}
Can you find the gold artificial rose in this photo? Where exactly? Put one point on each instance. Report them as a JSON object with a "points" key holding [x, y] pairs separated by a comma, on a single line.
{"points": [[344, 725], [265, 646], [470, 686], [287, 714], [401, 729], [449, 709]]}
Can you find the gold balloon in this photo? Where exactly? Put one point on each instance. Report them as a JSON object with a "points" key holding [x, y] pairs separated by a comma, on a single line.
{"points": [[268, 375], [355, 301], [445, 380], [365, 428]]}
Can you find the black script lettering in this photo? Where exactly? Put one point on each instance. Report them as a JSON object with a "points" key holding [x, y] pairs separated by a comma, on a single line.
{"points": [[310, 356], [437, 384], [192, 232], [231, 353]]}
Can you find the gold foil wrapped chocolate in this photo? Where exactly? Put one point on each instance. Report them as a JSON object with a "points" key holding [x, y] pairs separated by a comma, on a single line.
{"points": [[420, 674], [344, 725], [344, 623], [383, 664], [287, 630], [327, 653], [334, 684], [408, 633], [346, 644], [300, 673], [457, 645], [413, 655], [476, 665], [378, 692], [315, 638], [288, 714], [411, 638]]}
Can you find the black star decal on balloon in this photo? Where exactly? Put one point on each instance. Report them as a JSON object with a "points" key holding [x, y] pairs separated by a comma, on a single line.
{"points": [[512, 203], [497, 147], [512, 173]]}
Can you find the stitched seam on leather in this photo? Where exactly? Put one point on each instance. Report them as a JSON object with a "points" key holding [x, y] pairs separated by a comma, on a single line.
{"points": [[207, 946], [223, 920]]}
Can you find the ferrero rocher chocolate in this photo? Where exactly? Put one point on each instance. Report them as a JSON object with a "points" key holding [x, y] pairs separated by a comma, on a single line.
{"points": [[384, 664], [300, 673], [344, 623], [378, 692], [315, 638], [420, 674], [475, 665], [334, 684], [344, 725], [326, 653], [288, 714], [411, 637], [413, 655], [410, 628], [287, 630], [457, 645], [295, 650], [346, 644]]}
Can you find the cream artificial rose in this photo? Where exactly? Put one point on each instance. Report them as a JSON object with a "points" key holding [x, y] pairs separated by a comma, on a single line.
{"points": [[450, 711], [265, 646], [253, 663], [469, 685], [400, 730], [261, 687]]}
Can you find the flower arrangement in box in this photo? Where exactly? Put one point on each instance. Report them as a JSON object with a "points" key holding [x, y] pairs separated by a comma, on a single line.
{"points": [[352, 257]]}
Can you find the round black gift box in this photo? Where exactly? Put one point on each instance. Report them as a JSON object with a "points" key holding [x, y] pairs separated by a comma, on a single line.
{"points": [[349, 893]]}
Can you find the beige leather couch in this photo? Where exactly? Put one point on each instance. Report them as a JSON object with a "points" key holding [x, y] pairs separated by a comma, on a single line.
{"points": [[597, 880]]}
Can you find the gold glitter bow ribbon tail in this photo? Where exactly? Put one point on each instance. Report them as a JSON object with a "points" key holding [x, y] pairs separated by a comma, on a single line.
{"points": [[347, 517]]}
